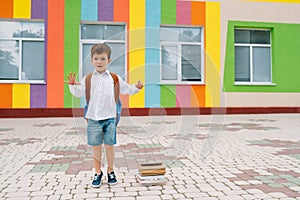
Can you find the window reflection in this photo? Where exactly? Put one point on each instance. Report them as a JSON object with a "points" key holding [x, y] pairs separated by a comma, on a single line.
{"points": [[21, 30], [9, 60]]}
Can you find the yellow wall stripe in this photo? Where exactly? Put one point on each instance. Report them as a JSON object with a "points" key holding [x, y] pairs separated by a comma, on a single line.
{"points": [[212, 54], [136, 68], [22, 9], [21, 96]]}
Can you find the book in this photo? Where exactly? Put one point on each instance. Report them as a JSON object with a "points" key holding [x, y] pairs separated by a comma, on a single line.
{"points": [[152, 180], [152, 169]]}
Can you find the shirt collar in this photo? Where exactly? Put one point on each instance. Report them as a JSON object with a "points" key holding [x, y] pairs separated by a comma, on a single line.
{"points": [[95, 72]]}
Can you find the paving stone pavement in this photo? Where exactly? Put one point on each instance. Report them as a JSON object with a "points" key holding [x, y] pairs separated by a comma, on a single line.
{"points": [[207, 157]]}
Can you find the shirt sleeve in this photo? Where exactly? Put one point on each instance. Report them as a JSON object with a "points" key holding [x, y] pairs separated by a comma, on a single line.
{"points": [[126, 88], [78, 90]]}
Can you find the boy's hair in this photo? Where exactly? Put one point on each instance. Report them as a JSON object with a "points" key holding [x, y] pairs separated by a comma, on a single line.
{"points": [[101, 48]]}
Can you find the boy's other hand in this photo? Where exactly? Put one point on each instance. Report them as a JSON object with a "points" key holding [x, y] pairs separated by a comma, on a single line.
{"points": [[72, 79], [139, 85]]}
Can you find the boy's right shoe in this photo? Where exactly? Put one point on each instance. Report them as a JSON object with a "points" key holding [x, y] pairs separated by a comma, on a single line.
{"points": [[97, 180]]}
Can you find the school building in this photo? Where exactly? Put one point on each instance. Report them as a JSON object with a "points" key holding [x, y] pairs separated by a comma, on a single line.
{"points": [[194, 57]]}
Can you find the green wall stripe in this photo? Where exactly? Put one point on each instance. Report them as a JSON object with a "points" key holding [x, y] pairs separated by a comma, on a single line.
{"points": [[71, 47], [167, 96], [285, 58], [168, 11]]}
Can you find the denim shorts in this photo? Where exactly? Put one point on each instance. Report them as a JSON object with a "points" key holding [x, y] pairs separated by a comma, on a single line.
{"points": [[102, 131]]}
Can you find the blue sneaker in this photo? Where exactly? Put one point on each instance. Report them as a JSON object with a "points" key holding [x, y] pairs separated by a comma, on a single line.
{"points": [[97, 180], [112, 180]]}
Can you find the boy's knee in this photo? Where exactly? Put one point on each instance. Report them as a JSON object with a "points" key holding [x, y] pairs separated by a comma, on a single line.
{"points": [[109, 146]]}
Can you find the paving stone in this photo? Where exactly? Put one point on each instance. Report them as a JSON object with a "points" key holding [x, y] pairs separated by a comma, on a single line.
{"points": [[148, 198], [126, 194], [17, 194], [122, 198], [278, 195], [149, 193], [39, 197], [178, 196], [235, 197]]}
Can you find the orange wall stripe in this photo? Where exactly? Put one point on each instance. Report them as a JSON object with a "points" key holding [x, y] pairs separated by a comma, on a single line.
{"points": [[6, 9], [198, 13], [55, 54], [197, 96], [121, 14], [6, 101], [121, 10], [198, 18]]}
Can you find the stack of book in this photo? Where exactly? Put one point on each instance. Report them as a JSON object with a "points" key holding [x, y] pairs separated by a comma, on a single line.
{"points": [[152, 173]]}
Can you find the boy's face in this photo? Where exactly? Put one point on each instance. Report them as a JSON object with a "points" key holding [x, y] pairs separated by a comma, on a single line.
{"points": [[100, 62]]}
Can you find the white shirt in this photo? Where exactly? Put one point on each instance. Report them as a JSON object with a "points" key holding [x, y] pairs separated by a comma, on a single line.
{"points": [[102, 103]]}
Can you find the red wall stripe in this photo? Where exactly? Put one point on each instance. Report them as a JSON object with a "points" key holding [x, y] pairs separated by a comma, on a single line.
{"points": [[55, 54], [6, 8]]}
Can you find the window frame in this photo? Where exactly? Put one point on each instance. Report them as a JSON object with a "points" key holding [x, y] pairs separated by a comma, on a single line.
{"points": [[96, 41], [20, 40], [179, 48], [251, 46]]}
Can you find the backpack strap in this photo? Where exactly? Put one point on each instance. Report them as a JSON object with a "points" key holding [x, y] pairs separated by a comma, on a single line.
{"points": [[116, 85], [88, 80]]}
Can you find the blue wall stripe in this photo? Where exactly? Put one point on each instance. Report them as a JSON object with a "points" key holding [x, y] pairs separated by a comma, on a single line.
{"points": [[152, 61], [89, 10]]}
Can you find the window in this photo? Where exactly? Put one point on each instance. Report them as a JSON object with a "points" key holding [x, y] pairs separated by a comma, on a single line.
{"points": [[113, 35], [252, 56], [181, 55], [22, 51]]}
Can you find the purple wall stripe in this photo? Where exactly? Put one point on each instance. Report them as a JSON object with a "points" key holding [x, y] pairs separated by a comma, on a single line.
{"points": [[38, 93], [38, 9], [105, 10], [38, 96]]}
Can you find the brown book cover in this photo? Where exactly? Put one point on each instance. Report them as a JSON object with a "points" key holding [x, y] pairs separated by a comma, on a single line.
{"points": [[152, 169]]}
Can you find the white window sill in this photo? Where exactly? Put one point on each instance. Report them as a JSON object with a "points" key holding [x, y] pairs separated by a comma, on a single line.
{"points": [[23, 82], [255, 83]]}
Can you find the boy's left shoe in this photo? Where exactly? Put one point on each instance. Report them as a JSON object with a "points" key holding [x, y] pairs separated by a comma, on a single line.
{"points": [[112, 180]]}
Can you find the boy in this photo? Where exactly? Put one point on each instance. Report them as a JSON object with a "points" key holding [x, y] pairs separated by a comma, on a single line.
{"points": [[101, 113]]}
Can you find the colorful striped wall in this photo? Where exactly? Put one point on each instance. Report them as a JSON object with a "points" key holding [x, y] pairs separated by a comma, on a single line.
{"points": [[24, 95], [143, 18]]}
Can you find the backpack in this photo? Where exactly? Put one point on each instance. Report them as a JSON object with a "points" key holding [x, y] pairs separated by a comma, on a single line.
{"points": [[88, 79]]}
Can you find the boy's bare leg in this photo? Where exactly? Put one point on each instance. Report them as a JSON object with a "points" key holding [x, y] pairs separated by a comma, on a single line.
{"points": [[110, 154], [97, 156]]}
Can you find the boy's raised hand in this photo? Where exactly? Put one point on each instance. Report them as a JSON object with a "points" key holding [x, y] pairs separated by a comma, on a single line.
{"points": [[72, 79], [139, 85]]}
